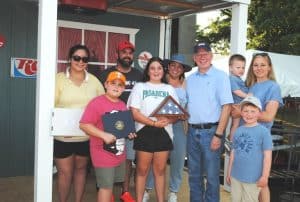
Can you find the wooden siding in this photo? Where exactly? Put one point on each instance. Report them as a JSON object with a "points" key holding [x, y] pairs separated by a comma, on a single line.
{"points": [[18, 23], [17, 103]]}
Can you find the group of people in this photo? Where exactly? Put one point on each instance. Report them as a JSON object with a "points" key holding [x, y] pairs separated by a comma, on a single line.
{"points": [[206, 94]]}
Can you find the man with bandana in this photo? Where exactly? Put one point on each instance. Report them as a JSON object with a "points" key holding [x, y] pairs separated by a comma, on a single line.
{"points": [[125, 52]]}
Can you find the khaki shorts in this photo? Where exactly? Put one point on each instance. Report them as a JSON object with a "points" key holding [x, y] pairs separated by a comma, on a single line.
{"points": [[241, 191], [106, 177]]}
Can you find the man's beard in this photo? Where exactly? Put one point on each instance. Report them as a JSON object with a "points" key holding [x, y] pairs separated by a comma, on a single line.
{"points": [[125, 63]]}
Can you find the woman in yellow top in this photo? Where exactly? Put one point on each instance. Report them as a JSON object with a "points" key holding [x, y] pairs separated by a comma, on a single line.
{"points": [[74, 89]]}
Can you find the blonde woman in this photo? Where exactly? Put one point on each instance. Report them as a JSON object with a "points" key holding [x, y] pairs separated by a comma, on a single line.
{"points": [[262, 84]]}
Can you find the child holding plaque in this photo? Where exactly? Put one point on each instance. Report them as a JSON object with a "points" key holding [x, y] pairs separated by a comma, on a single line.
{"points": [[154, 135], [109, 166]]}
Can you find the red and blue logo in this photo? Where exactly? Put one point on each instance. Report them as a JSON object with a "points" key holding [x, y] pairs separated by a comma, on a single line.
{"points": [[23, 67]]}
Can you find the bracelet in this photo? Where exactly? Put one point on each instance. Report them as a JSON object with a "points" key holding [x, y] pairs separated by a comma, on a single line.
{"points": [[218, 136]]}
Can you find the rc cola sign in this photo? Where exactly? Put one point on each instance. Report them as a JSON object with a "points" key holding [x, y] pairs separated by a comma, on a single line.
{"points": [[23, 67]]}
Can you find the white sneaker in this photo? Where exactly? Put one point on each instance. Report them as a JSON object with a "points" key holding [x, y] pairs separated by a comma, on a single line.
{"points": [[172, 197], [146, 196]]}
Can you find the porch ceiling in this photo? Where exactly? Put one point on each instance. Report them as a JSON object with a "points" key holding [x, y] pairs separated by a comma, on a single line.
{"points": [[165, 9]]}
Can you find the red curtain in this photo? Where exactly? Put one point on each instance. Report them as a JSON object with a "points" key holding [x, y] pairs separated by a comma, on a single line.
{"points": [[95, 41], [67, 38], [113, 40]]}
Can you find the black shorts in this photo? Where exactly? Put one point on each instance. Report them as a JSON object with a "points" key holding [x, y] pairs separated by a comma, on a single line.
{"points": [[66, 149], [152, 139]]}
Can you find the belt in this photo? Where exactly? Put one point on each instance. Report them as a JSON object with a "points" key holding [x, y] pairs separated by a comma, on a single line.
{"points": [[203, 125]]}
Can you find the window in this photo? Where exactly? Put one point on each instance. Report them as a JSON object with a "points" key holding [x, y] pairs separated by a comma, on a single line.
{"points": [[101, 40]]}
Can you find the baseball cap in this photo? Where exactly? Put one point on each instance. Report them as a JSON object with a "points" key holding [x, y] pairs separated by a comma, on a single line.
{"points": [[116, 75], [202, 45], [180, 59], [252, 100], [125, 44]]}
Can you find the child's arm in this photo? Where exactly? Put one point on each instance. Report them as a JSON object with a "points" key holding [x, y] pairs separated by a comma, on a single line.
{"points": [[231, 158], [263, 180], [240, 93], [90, 129], [139, 117]]}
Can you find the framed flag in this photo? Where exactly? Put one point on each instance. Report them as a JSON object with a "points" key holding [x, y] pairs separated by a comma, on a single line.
{"points": [[169, 107]]}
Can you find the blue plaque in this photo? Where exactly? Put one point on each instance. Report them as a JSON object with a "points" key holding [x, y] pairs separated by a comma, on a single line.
{"points": [[120, 124]]}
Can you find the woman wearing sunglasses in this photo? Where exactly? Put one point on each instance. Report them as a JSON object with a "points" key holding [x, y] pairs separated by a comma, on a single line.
{"points": [[262, 84], [74, 89]]}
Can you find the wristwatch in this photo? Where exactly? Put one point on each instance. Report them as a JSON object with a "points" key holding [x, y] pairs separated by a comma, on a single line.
{"points": [[218, 136]]}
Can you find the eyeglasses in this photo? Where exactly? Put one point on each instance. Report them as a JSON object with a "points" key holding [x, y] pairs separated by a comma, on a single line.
{"points": [[260, 54], [78, 58]]}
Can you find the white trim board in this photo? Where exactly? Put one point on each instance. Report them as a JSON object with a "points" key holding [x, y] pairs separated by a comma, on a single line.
{"points": [[96, 27]]}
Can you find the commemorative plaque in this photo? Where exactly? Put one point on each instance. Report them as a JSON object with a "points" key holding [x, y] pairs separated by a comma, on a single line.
{"points": [[119, 123], [169, 107]]}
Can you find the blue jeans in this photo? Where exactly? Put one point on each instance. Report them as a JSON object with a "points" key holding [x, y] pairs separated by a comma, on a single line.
{"points": [[177, 156], [203, 162]]}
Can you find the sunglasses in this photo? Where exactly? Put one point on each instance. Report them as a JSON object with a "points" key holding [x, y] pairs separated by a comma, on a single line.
{"points": [[78, 58], [260, 54]]}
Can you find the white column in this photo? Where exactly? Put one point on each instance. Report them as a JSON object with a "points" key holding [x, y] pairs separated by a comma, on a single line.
{"points": [[238, 39], [168, 34], [162, 33], [238, 36], [165, 38], [47, 37]]}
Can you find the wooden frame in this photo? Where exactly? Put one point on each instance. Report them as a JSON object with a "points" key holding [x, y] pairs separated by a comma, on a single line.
{"points": [[169, 99]]}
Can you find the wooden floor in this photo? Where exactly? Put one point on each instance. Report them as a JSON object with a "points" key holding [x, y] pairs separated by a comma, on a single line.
{"points": [[20, 189]]}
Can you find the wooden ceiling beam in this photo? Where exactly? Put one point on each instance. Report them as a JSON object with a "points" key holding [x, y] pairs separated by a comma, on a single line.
{"points": [[176, 3], [139, 11], [122, 2]]}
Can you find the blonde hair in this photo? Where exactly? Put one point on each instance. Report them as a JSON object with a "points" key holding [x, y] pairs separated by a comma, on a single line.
{"points": [[251, 78]]}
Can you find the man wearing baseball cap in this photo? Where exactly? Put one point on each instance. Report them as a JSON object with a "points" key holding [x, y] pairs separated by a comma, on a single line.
{"points": [[124, 51], [209, 105]]}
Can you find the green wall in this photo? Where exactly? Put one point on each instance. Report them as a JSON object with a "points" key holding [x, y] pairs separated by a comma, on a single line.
{"points": [[17, 102], [18, 23]]}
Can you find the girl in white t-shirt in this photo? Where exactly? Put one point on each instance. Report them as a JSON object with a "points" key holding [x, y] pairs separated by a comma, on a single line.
{"points": [[154, 135]]}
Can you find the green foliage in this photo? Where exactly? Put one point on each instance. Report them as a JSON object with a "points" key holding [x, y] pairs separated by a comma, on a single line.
{"points": [[273, 25], [218, 31]]}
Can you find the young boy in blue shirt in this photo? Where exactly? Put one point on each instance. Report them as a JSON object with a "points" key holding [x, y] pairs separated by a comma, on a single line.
{"points": [[239, 90], [251, 154]]}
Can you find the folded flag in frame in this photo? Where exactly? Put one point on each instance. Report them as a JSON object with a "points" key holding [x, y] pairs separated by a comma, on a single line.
{"points": [[169, 107]]}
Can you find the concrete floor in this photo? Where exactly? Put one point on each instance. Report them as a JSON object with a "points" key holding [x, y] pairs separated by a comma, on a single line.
{"points": [[20, 189]]}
